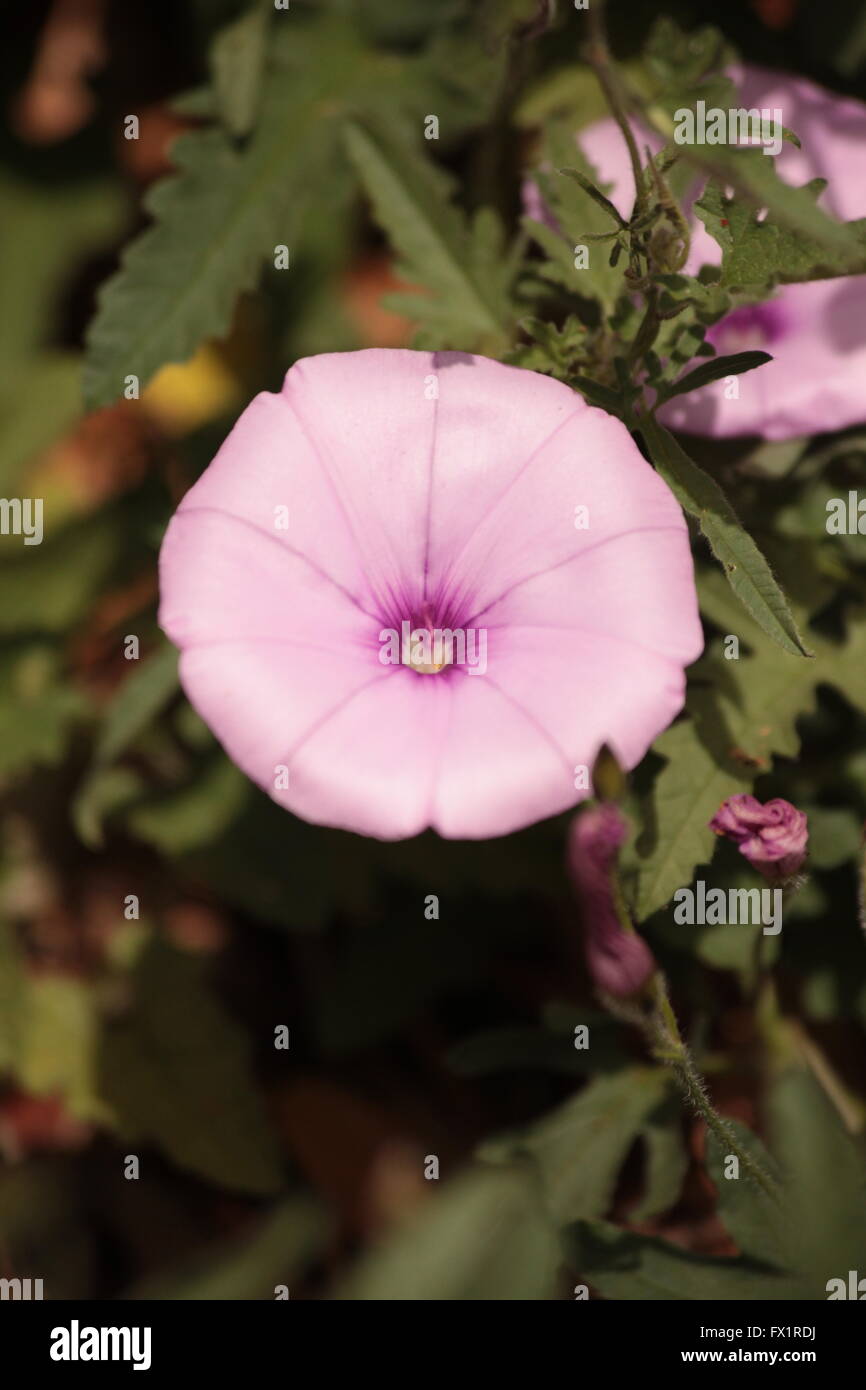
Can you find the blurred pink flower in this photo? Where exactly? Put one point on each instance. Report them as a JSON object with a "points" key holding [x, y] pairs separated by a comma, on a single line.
{"points": [[619, 961], [773, 837], [442, 491], [815, 332]]}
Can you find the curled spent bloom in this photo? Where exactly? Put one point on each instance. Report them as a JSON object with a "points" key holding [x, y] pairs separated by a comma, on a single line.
{"points": [[619, 961], [815, 332], [442, 492], [773, 836]]}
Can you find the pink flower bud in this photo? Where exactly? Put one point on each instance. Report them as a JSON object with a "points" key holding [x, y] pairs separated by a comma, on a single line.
{"points": [[619, 961], [773, 837]]}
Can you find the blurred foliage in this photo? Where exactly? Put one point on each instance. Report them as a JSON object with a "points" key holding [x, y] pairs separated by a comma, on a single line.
{"points": [[161, 920]]}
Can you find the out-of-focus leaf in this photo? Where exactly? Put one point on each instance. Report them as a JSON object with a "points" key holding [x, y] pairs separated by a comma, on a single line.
{"points": [[484, 1237], [48, 1034], [39, 398], [47, 587], [627, 1267], [249, 1268], [57, 1044], [757, 1223], [146, 690], [572, 90], [825, 1177], [175, 1070], [37, 709], [237, 59], [46, 229], [104, 791], [580, 1147], [193, 815], [667, 1160], [835, 835], [817, 1232]]}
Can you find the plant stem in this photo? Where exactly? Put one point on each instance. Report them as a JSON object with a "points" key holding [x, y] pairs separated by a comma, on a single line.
{"points": [[664, 1030], [598, 57]]}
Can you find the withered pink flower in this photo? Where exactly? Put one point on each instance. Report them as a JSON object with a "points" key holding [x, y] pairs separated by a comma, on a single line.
{"points": [[383, 497], [773, 836], [619, 961]]}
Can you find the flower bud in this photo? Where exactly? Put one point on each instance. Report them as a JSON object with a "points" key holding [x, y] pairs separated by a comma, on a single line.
{"points": [[773, 837], [619, 961]]}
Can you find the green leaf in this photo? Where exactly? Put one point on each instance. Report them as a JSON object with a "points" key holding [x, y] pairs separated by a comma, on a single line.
{"points": [[279, 1248], [737, 724], [38, 709], [595, 194], [460, 264], [564, 178], [629, 1267], [687, 67], [105, 791], [580, 1147], [700, 774], [733, 365], [483, 1237], [572, 90], [667, 1160], [760, 253], [40, 397], [217, 221], [599, 395], [237, 60], [835, 835], [176, 1071], [745, 567], [91, 213], [47, 588], [193, 815], [825, 1176], [146, 690], [214, 222], [48, 1034], [756, 1223]]}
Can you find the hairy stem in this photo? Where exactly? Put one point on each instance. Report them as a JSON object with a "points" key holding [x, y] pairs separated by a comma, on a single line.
{"points": [[670, 1048]]}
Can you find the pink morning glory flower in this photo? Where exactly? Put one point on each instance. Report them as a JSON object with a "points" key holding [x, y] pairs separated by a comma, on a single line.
{"points": [[419, 589], [815, 332]]}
